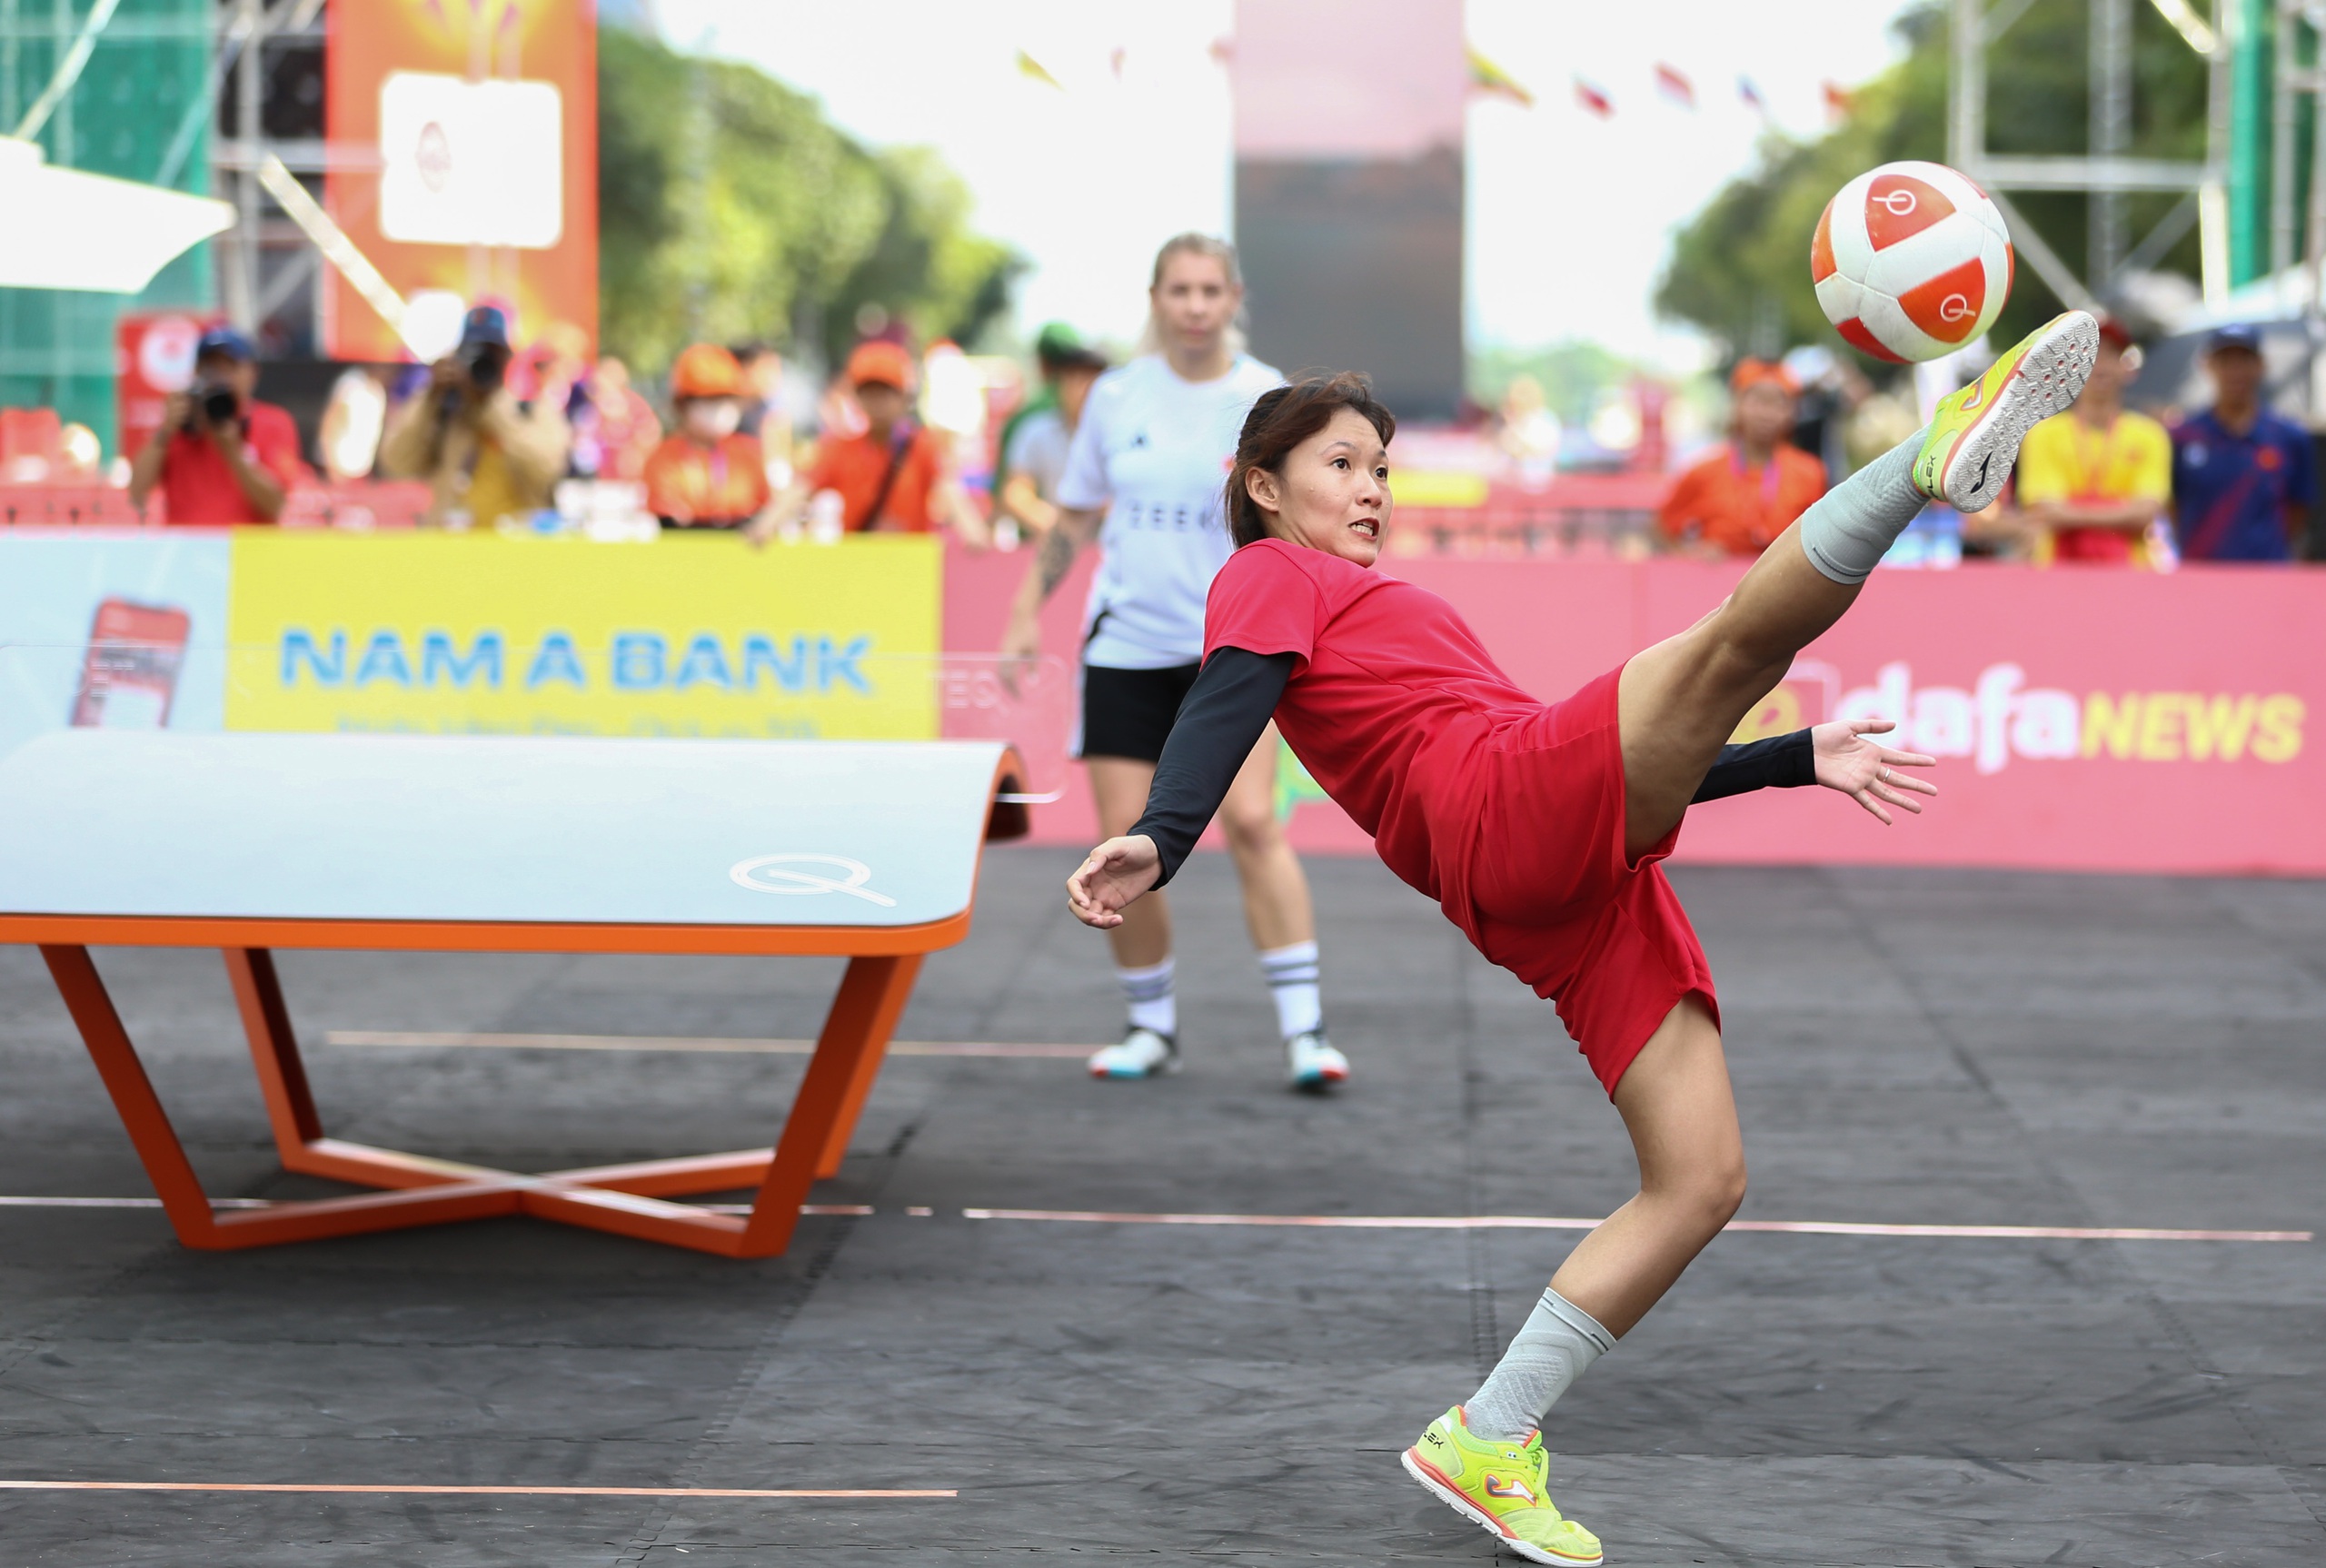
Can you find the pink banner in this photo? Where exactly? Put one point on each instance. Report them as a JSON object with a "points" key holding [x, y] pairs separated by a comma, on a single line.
{"points": [[2084, 719]]}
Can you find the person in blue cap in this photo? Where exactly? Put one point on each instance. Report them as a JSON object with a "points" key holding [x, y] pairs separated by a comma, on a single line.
{"points": [[222, 457], [486, 455], [2244, 477]]}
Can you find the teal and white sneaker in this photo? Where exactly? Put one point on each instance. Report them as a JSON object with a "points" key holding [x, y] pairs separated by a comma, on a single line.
{"points": [[1311, 1065], [1143, 1054]]}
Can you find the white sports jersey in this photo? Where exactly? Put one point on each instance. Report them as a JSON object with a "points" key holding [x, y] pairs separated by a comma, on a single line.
{"points": [[1154, 451]]}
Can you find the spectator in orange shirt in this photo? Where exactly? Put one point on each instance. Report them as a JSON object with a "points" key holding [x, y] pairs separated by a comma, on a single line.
{"points": [[1738, 501], [894, 478], [707, 473]]}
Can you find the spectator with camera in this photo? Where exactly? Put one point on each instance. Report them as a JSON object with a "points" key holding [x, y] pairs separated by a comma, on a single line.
{"points": [[222, 457], [486, 455]]}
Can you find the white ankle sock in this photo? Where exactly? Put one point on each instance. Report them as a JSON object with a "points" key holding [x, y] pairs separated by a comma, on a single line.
{"points": [[1153, 1004], [1292, 978], [1559, 1342], [1846, 531]]}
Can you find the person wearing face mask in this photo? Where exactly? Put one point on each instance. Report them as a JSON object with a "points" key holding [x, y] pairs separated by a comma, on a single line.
{"points": [[707, 473]]}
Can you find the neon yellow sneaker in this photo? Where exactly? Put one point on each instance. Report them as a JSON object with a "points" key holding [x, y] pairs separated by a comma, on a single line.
{"points": [[1499, 1486], [1975, 435]]}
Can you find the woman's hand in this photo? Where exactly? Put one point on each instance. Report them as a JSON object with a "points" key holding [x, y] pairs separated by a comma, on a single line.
{"points": [[1117, 872], [1866, 770], [1021, 647]]}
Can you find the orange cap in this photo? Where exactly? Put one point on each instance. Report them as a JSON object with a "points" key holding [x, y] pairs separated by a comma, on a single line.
{"points": [[706, 369], [1762, 373], [885, 362]]}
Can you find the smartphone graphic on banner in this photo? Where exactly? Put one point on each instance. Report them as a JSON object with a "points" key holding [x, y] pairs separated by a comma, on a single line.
{"points": [[130, 672]]}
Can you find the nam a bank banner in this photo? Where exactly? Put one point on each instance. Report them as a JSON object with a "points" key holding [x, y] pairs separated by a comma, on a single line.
{"points": [[482, 634]]}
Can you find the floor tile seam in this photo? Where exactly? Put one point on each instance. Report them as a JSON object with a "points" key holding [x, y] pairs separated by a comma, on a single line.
{"points": [[2301, 960], [658, 1519], [2256, 1430]]}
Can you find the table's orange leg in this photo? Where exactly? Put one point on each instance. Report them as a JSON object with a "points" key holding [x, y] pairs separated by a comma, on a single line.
{"points": [[882, 996], [872, 997], [142, 1114], [274, 1050]]}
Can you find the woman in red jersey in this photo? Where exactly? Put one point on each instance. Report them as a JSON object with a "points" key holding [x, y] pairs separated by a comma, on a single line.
{"points": [[1538, 827]]}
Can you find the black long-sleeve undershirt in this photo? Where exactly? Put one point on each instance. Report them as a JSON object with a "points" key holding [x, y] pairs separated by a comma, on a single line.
{"points": [[1233, 700]]}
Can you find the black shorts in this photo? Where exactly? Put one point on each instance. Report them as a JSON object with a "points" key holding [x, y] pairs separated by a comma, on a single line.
{"points": [[1129, 712]]}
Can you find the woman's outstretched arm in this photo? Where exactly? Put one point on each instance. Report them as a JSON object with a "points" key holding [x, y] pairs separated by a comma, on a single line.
{"points": [[1839, 755], [1216, 728]]}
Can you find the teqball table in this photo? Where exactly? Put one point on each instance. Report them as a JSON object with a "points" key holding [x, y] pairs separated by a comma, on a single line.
{"points": [[251, 842]]}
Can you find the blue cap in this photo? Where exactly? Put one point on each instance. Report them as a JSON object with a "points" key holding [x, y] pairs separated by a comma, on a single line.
{"points": [[485, 324], [2235, 336], [224, 340]]}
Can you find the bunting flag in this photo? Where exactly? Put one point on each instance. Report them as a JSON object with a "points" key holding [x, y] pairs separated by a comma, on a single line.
{"points": [[1593, 101], [1493, 81], [1115, 61], [1752, 96], [1675, 87], [1031, 68], [1840, 101]]}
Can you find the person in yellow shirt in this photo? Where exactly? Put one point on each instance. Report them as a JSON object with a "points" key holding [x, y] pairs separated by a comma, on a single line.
{"points": [[2093, 480], [485, 455]]}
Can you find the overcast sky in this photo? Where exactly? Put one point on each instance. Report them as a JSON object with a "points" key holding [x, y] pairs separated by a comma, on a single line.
{"points": [[1570, 215]]}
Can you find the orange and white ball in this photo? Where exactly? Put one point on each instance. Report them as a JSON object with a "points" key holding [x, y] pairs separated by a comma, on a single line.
{"points": [[1911, 261]]}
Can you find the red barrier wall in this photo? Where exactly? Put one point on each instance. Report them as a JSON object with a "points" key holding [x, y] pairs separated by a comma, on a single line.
{"points": [[2093, 720]]}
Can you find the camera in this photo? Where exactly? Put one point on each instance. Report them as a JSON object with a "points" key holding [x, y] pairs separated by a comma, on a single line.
{"points": [[484, 366], [215, 404]]}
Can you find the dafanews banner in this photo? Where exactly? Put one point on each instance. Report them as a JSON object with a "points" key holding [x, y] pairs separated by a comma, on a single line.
{"points": [[489, 634]]}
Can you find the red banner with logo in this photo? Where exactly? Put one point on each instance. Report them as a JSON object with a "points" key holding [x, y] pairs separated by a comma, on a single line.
{"points": [[2084, 719]]}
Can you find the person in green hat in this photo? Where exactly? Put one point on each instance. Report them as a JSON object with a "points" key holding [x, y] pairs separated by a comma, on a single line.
{"points": [[1033, 445]]}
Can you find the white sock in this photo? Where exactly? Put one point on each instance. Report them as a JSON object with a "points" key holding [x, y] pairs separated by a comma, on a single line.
{"points": [[1153, 1004], [1291, 974], [1847, 530], [1558, 1341]]}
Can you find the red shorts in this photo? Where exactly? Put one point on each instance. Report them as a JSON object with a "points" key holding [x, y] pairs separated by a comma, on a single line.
{"points": [[1550, 895]]}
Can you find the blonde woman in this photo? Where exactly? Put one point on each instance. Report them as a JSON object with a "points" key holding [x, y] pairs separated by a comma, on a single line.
{"points": [[1142, 482]]}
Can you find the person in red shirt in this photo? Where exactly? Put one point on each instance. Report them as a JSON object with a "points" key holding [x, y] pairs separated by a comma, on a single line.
{"points": [[1738, 501], [220, 456], [707, 473], [1538, 827], [896, 477]]}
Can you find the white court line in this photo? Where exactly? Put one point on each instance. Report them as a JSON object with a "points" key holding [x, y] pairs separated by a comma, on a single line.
{"points": [[419, 1039], [468, 1491], [1533, 1221], [857, 1209], [1388, 1222]]}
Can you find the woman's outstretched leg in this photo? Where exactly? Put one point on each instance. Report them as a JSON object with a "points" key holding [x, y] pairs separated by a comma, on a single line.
{"points": [[1680, 700]]}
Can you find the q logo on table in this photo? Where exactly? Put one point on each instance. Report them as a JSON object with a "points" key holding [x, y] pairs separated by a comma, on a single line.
{"points": [[781, 874]]}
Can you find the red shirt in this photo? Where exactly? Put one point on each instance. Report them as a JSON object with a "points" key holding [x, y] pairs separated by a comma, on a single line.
{"points": [[1392, 697], [853, 466], [199, 489]]}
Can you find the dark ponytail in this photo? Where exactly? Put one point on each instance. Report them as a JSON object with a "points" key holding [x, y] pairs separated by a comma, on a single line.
{"points": [[1281, 420]]}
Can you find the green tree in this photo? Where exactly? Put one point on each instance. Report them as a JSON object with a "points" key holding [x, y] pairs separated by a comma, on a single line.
{"points": [[730, 208], [1740, 270]]}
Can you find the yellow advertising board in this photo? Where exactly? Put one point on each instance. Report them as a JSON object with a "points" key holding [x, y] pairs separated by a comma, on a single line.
{"points": [[494, 634]]}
